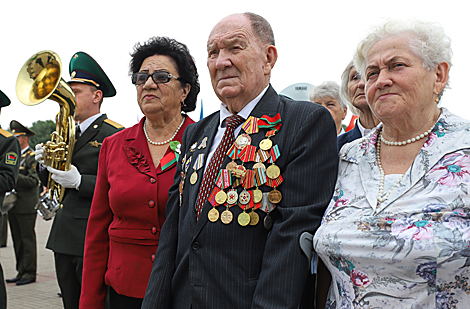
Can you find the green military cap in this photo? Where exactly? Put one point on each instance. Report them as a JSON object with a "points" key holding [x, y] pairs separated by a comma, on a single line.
{"points": [[84, 69], [18, 129], [4, 100]]}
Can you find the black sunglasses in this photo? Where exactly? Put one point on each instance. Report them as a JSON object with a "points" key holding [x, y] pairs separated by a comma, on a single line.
{"points": [[158, 77]]}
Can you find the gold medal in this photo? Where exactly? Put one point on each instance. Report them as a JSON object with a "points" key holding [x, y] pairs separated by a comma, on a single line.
{"points": [[231, 166], [226, 217], [193, 178], [243, 219], [257, 196], [273, 171], [232, 196], [213, 215], [254, 218], [265, 144], [240, 171], [259, 165], [221, 197], [275, 196]]}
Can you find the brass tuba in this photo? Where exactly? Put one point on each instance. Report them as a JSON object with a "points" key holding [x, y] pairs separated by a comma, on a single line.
{"points": [[40, 79]]}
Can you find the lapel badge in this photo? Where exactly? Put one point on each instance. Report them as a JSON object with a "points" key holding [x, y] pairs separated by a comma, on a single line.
{"points": [[95, 126], [95, 144], [193, 147], [203, 143]]}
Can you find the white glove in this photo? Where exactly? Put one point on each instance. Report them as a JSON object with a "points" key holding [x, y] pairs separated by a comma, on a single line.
{"points": [[39, 153], [68, 179]]}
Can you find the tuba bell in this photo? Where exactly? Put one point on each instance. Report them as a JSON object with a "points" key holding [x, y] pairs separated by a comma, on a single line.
{"points": [[40, 79]]}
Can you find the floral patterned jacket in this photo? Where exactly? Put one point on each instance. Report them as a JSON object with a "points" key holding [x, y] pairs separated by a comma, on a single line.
{"points": [[411, 251]]}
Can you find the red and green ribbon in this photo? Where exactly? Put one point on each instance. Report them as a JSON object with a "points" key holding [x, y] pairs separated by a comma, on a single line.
{"points": [[267, 122], [172, 157]]}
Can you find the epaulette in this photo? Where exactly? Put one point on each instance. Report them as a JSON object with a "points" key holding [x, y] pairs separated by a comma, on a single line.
{"points": [[5, 133], [113, 123]]}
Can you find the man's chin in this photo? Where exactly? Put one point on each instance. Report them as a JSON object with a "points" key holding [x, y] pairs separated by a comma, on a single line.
{"points": [[228, 92]]}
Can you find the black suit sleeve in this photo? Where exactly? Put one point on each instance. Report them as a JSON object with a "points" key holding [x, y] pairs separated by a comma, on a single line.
{"points": [[8, 169]]}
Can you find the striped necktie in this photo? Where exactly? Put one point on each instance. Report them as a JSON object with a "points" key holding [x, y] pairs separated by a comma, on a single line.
{"points": [[215, 163]]}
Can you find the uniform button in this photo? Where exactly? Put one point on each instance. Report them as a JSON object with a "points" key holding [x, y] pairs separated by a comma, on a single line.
{"points": [[153, 180], [154, 230], [195, 246], [152, 258], [151, 204]]}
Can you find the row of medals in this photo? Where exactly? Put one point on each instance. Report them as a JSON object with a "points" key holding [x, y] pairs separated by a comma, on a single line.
{"points": [[232, 197]]}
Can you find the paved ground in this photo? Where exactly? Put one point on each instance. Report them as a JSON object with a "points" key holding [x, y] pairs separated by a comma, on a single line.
{"points": [[42, 293]]}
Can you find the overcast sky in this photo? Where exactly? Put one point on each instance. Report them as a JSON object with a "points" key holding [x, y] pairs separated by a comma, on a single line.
{"points": [[315, 41]]}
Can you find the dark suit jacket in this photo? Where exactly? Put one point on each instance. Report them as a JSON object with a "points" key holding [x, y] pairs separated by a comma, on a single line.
{"points": [[10, 153], [9, 167], [213, 265], [349, 136], [67, 234], [27, 185]]}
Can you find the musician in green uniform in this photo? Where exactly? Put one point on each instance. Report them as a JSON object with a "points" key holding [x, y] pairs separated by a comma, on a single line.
{"points": [[22, 217], [67, 237], [9, 168]]}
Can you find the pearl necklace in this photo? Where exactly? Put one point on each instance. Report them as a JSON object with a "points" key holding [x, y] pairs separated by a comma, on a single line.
{"points": [[381, 197], [164, 142], [414, 139]]}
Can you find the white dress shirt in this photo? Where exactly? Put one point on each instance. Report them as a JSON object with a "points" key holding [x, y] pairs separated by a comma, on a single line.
{"points": [[87, 122], [224, 113]]}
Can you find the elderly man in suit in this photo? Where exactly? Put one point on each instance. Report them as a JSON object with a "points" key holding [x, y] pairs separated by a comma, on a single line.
{"points": [[67, 237], [22, 217], [239, 206]]}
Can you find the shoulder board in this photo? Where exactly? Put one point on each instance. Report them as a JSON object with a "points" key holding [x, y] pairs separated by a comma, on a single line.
{"points": [[5, 133], [113, 123]]}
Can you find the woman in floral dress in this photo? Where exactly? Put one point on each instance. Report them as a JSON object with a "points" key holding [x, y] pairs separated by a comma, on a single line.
{"points": [[397, 231]]}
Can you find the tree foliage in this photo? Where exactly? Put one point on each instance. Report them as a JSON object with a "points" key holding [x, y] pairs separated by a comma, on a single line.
{"points": [[43, 130]]}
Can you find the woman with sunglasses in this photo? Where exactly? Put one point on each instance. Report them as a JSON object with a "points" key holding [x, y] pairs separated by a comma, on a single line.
{"points": [[136, 169]]}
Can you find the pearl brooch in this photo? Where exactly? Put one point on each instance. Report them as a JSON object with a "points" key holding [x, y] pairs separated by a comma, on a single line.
{"points": [[164, 142]]}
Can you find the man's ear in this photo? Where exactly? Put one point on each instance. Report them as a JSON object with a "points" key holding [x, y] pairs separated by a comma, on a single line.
{"points": [[271, 58], [97, 96]]}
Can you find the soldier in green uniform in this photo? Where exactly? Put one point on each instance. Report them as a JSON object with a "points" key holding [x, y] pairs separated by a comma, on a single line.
{"points": [[22, 217], [9, 168], [67, 237]]}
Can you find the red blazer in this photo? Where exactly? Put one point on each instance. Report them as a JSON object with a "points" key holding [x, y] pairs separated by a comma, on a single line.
{"points": [[126, 216]]}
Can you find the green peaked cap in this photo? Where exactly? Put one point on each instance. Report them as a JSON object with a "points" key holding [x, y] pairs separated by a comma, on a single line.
{"points": [[18, 129], [4, 100], [84, 69]]}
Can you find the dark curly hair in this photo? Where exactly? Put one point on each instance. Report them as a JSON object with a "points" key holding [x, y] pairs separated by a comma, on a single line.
{"points": [[179, 52]]}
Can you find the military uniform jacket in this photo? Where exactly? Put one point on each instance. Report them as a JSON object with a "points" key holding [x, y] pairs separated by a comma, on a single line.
{"points": [[201, 264], [68, 230], [9, 162], [27, 185]]}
